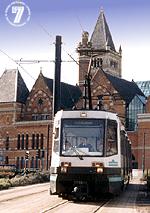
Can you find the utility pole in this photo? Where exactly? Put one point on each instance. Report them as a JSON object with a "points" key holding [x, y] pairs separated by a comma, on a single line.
{"points": [[87, 88], [57, 77]]}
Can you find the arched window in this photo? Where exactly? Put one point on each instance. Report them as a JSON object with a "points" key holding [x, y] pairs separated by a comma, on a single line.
{"points": [[22, 163], [6, 160], [27, 141], [18, 142], [37, 141], [42, 140], [96, 62], [36, 162], [33, 141], [17, 163], [7, 143], [22, 142], [32, 163]]}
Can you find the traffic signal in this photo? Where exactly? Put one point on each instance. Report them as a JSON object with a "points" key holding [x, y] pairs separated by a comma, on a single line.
{"points": [[27, 155]]}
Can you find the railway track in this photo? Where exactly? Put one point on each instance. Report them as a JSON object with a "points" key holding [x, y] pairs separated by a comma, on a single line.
{"points": [[70, 206], [55, 206], [36, 199]]}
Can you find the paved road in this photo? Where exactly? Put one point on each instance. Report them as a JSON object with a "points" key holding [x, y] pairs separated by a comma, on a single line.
{"points": [[33, 199], [135, 199], [36, 199]]}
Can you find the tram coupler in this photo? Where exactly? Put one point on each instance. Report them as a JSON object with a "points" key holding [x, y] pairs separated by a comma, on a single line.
{"points": [[80, 192]]}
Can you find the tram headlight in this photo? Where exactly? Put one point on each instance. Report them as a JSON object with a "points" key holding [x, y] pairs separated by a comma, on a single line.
{"points": [[99, 170], [64, 166], [99, 167], [63, 169]]}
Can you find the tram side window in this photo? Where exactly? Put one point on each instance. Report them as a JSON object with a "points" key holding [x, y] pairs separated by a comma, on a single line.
{"points": [[111, 138], [56, 140], [123, 142]]}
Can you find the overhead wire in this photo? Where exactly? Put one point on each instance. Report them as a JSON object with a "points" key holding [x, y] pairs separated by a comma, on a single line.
{"points": [[44, 29], [17, 64], [73, 101], [74, 60], [80, 24], [38, 61]]}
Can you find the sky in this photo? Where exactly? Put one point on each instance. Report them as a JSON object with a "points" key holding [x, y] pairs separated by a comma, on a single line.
{"points": [[30, 35]]}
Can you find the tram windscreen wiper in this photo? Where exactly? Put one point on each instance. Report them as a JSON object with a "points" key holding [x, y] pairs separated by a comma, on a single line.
{"points": [[77, 152]]}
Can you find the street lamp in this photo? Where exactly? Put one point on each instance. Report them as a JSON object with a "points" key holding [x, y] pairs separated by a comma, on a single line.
{"points": [[26, 159]]}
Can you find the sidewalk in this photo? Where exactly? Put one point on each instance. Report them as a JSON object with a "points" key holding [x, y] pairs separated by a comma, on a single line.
{"points": [[135, 199], [143, 199]]}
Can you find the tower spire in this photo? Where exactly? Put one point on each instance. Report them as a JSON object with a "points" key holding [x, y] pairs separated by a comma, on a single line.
{"points": [[102, 46], [101, 38]]}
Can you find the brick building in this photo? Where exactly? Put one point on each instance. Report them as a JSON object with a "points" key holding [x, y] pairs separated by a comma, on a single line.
{"points": [[141, 140], [26, 117], [116, 94]]}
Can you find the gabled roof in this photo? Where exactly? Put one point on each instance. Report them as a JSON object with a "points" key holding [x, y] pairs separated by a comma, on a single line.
{"points": [[13, 87], [127, 89], [69, 94], [101, 37]]}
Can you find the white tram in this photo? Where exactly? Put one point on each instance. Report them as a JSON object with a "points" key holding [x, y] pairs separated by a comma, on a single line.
{"points": [[91, 154]]}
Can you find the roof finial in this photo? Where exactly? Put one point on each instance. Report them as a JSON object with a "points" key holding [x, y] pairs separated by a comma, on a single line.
{"points": [[102, 9], [120, 50], [40, 70]]}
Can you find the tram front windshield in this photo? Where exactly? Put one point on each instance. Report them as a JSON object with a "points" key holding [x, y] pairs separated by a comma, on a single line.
{"points": [[82, 137]]}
